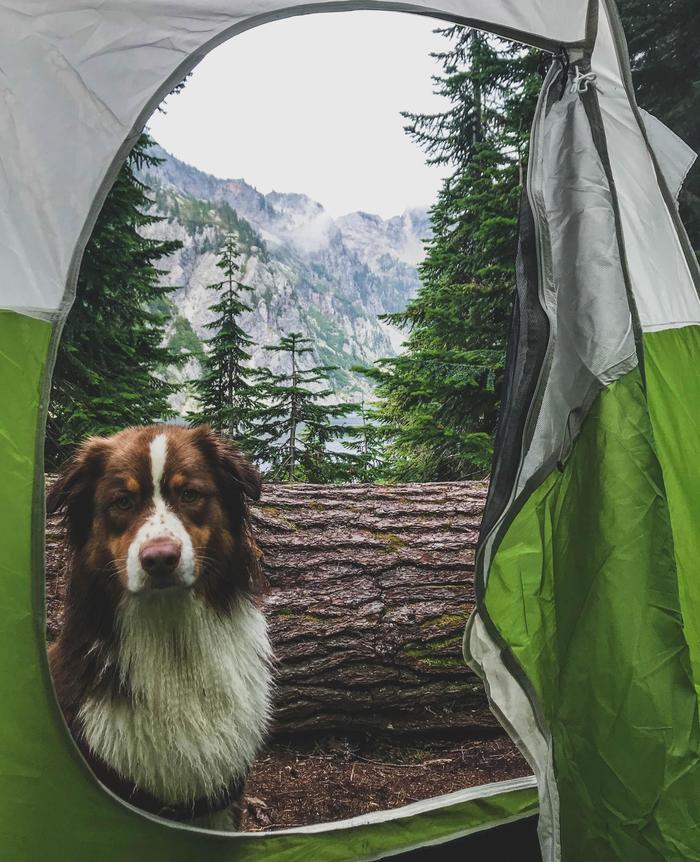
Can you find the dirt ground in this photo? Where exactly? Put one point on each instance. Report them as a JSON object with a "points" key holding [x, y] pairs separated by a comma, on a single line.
{"points": [[299, 782]]}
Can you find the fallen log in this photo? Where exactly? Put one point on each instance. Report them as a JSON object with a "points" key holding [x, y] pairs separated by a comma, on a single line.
{"points": [[370, 587]]}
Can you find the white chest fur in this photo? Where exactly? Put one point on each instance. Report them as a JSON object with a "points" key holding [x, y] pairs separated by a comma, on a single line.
{"points": [[200, 703]]}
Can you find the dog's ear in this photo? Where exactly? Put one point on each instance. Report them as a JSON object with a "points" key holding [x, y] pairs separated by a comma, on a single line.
{"points": [[235, 474], [238, 481], [239, 469], [72, 494]]}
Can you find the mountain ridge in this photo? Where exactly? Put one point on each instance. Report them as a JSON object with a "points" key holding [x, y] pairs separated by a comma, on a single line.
{"points": [[330, 278]]}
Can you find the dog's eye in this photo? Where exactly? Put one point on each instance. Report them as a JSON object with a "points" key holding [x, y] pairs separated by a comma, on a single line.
{"points": [[123, 502], [189, 495]]}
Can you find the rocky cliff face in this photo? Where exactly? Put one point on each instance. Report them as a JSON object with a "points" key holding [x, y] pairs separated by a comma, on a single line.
{"points": [[328, 278]]}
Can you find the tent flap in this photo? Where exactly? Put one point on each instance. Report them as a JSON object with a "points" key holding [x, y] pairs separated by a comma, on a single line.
{"points": [[674, 156]]}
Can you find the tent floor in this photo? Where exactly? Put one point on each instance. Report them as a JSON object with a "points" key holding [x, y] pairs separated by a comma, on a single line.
{"points": [[301, 781]]}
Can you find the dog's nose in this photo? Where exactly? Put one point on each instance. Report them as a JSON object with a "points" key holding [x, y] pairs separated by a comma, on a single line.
{"points": [[160, 557]]}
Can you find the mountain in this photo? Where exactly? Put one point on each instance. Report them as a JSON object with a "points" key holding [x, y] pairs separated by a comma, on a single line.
{"points": [[327, 277]]}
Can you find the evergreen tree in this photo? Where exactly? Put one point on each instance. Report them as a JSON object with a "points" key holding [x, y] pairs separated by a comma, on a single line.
{"points": [[227, 397], [439, 399], [367, 440], [105, 375], [665, 57], [296, 426]]}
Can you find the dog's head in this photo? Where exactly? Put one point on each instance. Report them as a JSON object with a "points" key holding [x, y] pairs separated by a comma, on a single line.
{"points": [[159, 508]]}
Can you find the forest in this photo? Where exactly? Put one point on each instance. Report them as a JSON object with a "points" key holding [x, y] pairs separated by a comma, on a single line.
{"points": [[435, 406]]}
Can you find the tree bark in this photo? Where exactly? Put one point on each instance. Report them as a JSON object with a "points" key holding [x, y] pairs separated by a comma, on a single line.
{"points": [[370, 587]]}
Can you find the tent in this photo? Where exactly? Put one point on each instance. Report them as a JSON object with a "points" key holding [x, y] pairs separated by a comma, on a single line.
{"points": [[587, 629]]}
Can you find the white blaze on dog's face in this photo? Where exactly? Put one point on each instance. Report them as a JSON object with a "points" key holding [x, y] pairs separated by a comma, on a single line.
{"points": [[161, 555]]}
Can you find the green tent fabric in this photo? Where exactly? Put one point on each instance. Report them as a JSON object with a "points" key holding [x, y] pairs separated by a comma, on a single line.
{"points": [[52, 806], [587, 631]]}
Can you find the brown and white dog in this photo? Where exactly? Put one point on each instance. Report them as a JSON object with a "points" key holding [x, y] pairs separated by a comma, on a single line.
{"points": [[162, 668]]}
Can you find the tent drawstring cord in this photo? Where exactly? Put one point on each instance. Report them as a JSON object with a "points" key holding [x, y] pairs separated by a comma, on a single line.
{"points": [[582, 80]]}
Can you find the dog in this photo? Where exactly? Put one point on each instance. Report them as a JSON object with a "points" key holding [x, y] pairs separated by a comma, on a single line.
{"points": [[163, 667]]}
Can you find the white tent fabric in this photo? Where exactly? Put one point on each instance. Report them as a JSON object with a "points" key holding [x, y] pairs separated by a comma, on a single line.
{"points": [[661, 279], [77, 82], [674, 156]]}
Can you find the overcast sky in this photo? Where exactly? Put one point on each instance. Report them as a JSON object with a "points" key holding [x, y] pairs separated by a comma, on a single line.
{"points": [[312, 104]]}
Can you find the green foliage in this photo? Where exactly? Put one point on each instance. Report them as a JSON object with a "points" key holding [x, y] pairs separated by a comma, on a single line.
{"points": [[367, 440], [439, 400], [113, 340], [665, 55], [296, 426], [228, 399], [195, 215], [184, 340]]}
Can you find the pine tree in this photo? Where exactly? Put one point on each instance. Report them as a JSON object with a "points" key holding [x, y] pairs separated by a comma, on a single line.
{"points": [[439, 399], [296, 425], [228, 399], [368, 441], [107, 368]]}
